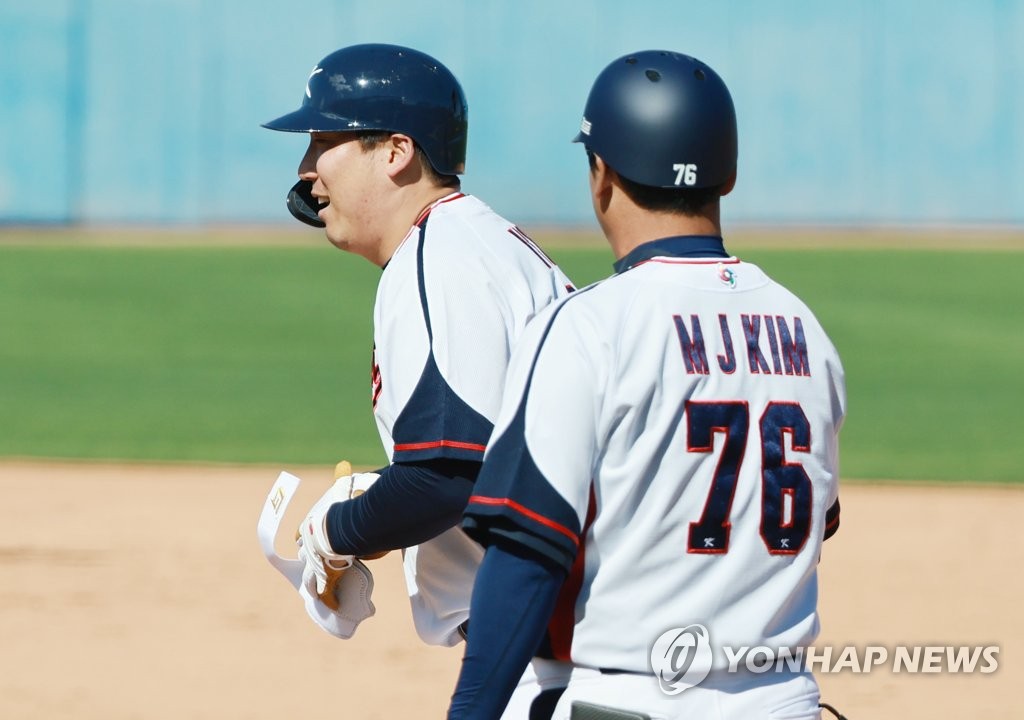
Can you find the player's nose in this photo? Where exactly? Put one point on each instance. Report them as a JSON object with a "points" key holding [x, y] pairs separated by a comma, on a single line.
{"points": [[307, 166]]}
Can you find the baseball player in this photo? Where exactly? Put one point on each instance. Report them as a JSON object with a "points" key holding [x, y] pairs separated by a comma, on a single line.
{"points": [[459, 283], [664, 467]]}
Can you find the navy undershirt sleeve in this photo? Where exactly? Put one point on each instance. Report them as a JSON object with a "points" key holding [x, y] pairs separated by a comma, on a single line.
{"points": [[513, 597], [410, 503]]}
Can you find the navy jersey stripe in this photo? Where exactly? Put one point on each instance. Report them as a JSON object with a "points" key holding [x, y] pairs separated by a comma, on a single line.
{"points": [[422, 282], [832, 520], [526, 512], [436, 422], [531, 245], [513, 500]]}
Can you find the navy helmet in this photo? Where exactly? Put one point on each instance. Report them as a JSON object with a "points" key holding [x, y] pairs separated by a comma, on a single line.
{"points": [[662, 119], [381, 87], [386, 87]]}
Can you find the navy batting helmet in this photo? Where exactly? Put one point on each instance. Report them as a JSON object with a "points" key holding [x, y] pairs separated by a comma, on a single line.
{"points": [[662, 119], [381, 87], [386, 87]]}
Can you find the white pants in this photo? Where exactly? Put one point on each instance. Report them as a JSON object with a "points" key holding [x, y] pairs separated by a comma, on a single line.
{"points": [[540, 675], [768, 696]]}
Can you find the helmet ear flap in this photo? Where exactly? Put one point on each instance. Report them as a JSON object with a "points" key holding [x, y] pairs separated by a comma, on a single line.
{"points": [[302, 205]]}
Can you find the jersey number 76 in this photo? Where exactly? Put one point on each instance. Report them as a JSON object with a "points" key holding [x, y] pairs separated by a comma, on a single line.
{"points": [[786, 490]]}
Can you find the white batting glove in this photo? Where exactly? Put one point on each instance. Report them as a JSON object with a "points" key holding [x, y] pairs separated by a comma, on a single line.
{"points": [[315, 549]]}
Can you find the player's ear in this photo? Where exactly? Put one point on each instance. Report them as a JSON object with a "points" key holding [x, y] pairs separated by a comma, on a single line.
{"points": [[602, 184], [400, 154], [601, 176]]}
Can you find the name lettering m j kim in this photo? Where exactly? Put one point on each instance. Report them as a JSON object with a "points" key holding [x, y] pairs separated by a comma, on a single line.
{"points": [[786, 347]]}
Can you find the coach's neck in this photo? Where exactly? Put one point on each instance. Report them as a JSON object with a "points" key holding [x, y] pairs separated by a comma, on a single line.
{"points": [[626, 225]]}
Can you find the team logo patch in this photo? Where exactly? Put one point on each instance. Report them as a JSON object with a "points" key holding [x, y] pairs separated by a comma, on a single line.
{"points": [[727, 276], [585, 127]]}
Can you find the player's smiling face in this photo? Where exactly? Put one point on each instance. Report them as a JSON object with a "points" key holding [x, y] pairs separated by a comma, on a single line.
{"points": [[345, 181]]}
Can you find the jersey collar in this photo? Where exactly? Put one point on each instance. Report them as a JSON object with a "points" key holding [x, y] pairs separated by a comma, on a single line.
{"points": [[440, 201], [422, 219], [692, 246]]}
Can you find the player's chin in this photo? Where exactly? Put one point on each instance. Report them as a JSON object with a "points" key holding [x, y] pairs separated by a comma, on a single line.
{"points": [[337, 242], [331, 227], [337, 238]]}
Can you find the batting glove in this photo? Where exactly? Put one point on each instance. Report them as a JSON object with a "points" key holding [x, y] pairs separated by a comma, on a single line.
{"points": [[315, 549]]}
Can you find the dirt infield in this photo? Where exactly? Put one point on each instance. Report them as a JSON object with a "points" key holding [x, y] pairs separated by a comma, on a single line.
{"points": [[140, 592]]}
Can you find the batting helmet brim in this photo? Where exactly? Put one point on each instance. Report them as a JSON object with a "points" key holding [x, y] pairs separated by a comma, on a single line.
{"points": [[307, 120]]}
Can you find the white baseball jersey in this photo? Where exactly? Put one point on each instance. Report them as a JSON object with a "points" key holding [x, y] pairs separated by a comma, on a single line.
{"points": [[450, 305], [674, 429]]}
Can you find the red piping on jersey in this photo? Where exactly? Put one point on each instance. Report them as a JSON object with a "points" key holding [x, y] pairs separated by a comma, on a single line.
{"points": [[406, 447], [442, 201], [830, 527], [523, 510], [531, 245], [563, 617]]}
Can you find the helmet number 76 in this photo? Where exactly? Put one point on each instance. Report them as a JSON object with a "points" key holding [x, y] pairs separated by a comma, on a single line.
{"points": [[686, 173]]}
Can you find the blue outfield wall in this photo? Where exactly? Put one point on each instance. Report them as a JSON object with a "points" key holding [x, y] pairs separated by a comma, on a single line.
{"points": [[907, 111]]}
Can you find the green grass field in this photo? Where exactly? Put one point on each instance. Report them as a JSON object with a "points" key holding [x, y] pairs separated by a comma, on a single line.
{"points": [[235, 353]]}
